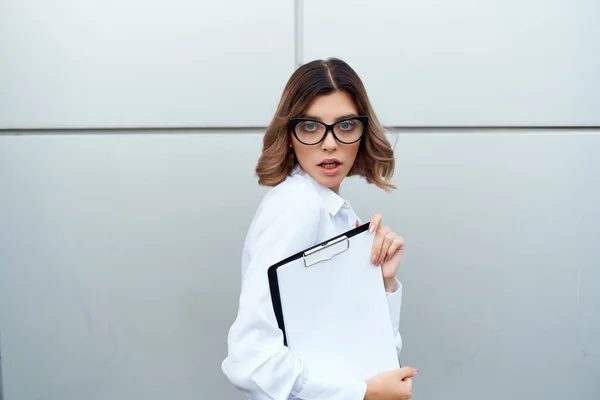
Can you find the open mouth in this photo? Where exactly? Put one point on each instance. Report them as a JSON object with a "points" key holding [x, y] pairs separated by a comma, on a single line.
{"points": [[330, 164]]}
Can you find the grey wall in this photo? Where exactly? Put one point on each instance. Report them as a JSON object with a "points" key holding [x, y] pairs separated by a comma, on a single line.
{"points": [[120, 249], [119, 262], [184, 63], [143, 63], [467, 63]]}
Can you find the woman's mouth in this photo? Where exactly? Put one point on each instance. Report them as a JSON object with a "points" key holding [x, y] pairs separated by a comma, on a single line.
{"points": [[330, 166]]}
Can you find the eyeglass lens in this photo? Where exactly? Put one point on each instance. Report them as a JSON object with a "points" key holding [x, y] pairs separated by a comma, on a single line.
{"points": [[312, 132]]}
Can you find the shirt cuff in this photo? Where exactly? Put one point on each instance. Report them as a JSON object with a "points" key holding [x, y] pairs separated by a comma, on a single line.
{"points": [[395, 305], [397, 289], [324, 388]]}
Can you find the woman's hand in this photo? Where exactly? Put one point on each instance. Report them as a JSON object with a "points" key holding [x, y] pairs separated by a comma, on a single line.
{"points": [[391, 385], [387, 251]]}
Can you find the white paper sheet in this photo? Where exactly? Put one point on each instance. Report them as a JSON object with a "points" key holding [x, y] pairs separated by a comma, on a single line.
{"points": [[336, 314]]}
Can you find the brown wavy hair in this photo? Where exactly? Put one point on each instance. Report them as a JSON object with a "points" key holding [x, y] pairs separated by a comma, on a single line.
{"points": [[375, 159]]}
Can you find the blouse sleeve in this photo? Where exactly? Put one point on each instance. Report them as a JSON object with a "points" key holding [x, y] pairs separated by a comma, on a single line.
{"points": [[395, 305]]}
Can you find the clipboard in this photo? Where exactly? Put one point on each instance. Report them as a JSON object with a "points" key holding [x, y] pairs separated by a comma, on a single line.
{"points": [[330, 303]]}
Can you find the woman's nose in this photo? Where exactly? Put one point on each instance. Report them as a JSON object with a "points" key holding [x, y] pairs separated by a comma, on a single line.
{"points": [[329, 143]]}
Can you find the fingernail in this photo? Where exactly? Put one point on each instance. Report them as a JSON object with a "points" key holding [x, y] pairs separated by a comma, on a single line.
{"points": [[374, 259], [371, 228], [416, 370]]}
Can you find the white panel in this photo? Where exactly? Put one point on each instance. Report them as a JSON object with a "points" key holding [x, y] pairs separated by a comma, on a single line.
{"points": [[135, 63], [467, 63], [120, 262]]}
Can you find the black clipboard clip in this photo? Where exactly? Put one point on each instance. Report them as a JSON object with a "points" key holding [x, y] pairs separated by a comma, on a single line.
{"points": [[326, 251]]}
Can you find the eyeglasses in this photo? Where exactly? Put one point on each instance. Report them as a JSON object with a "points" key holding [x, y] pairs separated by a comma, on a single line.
{"points": [[310, 131]]}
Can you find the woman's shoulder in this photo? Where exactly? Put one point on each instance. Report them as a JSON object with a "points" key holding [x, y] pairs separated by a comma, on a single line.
{"points": [[293, 202], [294, 194], [290, 209]]}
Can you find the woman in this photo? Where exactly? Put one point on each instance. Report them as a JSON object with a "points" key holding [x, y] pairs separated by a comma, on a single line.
{"points": [[324, 129]]}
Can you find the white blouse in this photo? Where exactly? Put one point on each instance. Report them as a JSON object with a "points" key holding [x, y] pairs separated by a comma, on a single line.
{"points": [[296, 214]]}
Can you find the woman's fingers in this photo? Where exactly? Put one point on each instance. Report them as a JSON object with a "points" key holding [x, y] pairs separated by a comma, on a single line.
{"points": [[388, 239], [397, 244], [386, 242], [409, 387], [375, 223], [379, 245]]}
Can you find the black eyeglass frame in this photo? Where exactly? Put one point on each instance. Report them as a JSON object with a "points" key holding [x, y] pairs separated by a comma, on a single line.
{"points": [[292, 122]]}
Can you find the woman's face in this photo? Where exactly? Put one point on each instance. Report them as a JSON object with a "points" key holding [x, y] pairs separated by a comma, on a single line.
{"points": [[329, 161]]}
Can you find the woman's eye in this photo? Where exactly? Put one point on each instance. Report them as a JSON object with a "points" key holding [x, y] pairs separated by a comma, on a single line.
{"points": [[346, 126], [309, 127]]}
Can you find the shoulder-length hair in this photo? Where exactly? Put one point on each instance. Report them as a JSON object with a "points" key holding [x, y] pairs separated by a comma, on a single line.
{"points": [[375, 159]]}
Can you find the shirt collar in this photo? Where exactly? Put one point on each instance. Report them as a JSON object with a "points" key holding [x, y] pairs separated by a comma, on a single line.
{"points": [[332, 201]]}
